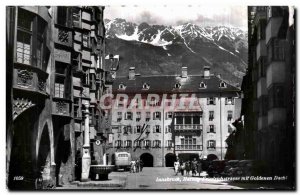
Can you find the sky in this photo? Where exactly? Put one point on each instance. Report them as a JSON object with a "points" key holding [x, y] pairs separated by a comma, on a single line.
{"points": [[209, 15]]}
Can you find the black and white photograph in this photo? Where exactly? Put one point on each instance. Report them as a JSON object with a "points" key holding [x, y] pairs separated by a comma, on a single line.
{"points": [[150, 97]]}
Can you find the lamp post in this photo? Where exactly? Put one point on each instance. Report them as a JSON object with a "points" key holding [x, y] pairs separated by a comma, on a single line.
{"points": [[86, 157]]}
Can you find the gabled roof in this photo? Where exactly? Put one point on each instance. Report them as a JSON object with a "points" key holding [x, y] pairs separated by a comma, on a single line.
{"points": [[166, 84]]}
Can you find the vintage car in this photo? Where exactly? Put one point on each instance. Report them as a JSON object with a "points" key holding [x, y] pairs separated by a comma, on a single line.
{"points": [[121, 160]]}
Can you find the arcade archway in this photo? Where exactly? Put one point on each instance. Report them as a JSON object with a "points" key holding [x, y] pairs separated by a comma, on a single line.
{"points": [[147, 159], [170, 158]]}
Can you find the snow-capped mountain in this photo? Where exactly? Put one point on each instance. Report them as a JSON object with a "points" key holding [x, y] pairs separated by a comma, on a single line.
{"points": [[223, 48]]}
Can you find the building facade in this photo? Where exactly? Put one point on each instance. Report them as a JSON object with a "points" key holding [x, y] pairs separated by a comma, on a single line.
{"points": [[56, 75], [156, 118], [269, 88]]}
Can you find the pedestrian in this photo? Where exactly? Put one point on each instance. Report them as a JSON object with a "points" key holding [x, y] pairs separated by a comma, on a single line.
{"points": [[141, 165], [199, 167], [176, 167], [132, 167], [182, 167], [137, 165], [194, 167], [187, 168]]}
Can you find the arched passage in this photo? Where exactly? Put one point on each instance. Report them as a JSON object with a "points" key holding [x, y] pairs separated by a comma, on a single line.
{"points": [[170, 159], [147, 159], [44, 155], [211, 157], [21, 168]]}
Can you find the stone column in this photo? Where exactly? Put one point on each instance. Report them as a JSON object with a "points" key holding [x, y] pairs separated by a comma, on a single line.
{"points": [[86, 157]]}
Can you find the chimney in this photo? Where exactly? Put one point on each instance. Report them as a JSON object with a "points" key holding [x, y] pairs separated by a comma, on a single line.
{"points": [[206, 72], [184, 72], [131, 74]]}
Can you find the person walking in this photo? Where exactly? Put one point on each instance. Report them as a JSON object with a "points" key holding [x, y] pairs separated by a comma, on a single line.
{"points": [[187, 168], [137, 165], [182, 167], [199, 167], [176, 167], [194, 167], [141, 165]]}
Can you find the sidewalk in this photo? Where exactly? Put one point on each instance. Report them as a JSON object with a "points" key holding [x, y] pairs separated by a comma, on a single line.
{"points": [[115, 181]]}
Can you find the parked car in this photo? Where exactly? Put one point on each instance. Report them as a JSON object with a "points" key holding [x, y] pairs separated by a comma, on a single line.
{"points": [[122, 160], [230, 166], [215, 168]]}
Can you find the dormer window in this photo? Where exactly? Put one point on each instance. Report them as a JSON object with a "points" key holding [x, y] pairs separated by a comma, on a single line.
{"points": [[122, 86], [223, 85], [146, 86], [202, 85], [177, 85]]}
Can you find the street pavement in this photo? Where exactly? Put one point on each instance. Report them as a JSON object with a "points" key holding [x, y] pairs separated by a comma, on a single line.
{"points": [[164, 178]]}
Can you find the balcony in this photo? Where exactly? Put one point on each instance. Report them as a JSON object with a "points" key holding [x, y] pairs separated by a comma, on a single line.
{"points": [[261, 49], [189, 147], [188, 127], [61, 107], [30, 79], [273, 27]]}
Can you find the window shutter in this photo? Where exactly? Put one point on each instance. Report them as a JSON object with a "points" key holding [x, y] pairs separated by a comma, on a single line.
{"points": [[125, 116], [154, 129], [159, 129], [153, 115], [159, 115], [135, 129], [153, 143], [207, 101], [166, 115]]}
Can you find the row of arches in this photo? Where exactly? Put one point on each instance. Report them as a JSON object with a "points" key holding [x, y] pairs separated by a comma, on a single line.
{"points": [[170, 158]]}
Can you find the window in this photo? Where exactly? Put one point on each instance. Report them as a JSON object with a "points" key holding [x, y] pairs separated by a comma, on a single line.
{"points": [[179, 120], [177, 85], [169, 143], [275, 50], [128, 116], [156, 129], [156, 144], [202, 85], [137, 143], [196, 119], [188, 120], [169, 115], [77, 111], [63, 17], [229, 101], [119, 116], [148, 116], [276, 96], [211, 129], [211, 116], [128, 144], [156, 115], [138, 128], [147, 143], [146, 86], [188, 140], [138, 116], [229, 115], [223, 84], [211, 144], [86, 40], [118, 143], [76, 17], [31, 34], [211, 101], [59, 87], [127, 129], [168, 129]]}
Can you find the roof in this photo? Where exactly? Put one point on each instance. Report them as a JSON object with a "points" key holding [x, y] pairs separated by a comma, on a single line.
{"points": [[166, 84]]}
